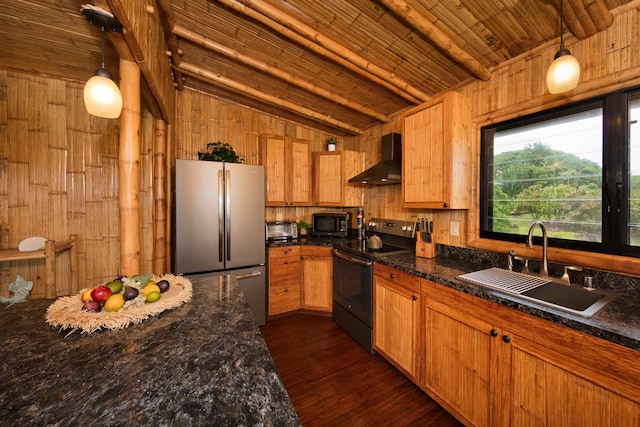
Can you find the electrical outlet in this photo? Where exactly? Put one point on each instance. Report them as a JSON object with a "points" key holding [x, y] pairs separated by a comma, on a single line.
{"points": [[279, 216], [455, 228]]}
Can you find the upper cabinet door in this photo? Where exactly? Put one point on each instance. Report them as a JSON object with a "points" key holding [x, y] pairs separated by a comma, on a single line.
{"points": [[436, 154], [287, 165], [332, 171], [300, 188]]}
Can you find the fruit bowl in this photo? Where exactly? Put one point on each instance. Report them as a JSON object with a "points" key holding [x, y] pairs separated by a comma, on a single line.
{"points": [[67, 312]]}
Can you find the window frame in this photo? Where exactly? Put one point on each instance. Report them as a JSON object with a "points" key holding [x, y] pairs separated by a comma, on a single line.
{"points": [[615, 169]]}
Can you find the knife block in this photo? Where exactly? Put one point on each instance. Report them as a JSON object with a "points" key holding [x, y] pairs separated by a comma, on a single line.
{"points": [[424, 249]]}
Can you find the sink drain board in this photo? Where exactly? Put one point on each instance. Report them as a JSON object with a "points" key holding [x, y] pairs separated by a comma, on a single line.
{"points": [[504, 280]]}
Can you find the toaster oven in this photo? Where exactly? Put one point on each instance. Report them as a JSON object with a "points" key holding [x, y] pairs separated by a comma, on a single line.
{"points": [[281, 230]]}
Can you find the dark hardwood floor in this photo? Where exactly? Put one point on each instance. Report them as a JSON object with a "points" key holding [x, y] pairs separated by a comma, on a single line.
{"points": [[332, 381]]}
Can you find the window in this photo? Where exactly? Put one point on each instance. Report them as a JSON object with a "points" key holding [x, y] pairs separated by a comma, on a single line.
{"points": [[575, 168]]}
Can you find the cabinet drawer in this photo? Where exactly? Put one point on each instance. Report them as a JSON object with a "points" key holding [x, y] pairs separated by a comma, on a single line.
{"points": [[285, 270], [284, 251], [397, 277], [283, 298]]}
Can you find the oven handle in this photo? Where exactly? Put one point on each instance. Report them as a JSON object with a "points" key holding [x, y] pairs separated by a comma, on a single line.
{"points": [[355, 260]]}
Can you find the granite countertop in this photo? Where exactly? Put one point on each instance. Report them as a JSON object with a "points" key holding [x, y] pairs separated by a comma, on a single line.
{"points": [[618, 322], [307, 241], [204, 363]]}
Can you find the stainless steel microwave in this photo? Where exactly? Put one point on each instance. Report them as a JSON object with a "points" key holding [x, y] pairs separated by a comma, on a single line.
{"points": [[330, 224]]}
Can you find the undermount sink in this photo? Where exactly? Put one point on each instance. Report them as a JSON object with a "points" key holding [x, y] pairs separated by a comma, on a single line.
{"points": [[542, 290]]}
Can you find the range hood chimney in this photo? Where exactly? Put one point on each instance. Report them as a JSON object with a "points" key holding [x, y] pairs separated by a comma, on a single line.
{"points": [[388, 170]]}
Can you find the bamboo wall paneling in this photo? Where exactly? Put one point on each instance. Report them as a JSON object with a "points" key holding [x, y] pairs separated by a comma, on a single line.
{"points": [[129, 168]]}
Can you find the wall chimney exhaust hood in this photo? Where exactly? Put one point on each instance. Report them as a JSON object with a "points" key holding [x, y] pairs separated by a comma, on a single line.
{"points": [[388, 170]]}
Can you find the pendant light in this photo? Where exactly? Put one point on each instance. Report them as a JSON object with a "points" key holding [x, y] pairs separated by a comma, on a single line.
{"points": [[102, 97], [564, 72]]}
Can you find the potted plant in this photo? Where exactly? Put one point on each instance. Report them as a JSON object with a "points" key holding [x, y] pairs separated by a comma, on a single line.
{"points": [[219, 152], [303, 226], [331, 143]]}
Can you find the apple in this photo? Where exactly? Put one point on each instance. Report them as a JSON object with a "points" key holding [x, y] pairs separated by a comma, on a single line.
{"points": [[86, 295], [100, 293]]}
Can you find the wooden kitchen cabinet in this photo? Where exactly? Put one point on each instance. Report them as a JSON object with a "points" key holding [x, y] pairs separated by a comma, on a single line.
{"points": [[396, 314], [493, 366], [331, 173], [288, 170], [457, 360], [317, 278], [436, 154], [285, 276]]}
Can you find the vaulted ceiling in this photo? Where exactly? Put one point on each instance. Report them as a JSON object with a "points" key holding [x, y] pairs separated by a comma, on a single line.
{"points": [[337, 65]]}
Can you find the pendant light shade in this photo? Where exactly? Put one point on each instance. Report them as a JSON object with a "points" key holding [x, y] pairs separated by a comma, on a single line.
{"points": [[564, 72], [102, 97]]}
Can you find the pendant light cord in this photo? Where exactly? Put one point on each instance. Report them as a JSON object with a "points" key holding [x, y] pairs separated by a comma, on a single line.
{"points": [[102, 45], [561, 38]]}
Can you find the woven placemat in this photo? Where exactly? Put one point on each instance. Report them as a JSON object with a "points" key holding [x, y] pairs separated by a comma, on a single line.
{"points": [[66, 312]]}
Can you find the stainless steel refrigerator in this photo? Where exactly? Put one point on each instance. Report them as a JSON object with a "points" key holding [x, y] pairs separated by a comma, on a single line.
{"points": [[220, 226]]}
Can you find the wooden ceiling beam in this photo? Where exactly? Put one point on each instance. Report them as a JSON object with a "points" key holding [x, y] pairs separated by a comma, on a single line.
{"points": [[584, 18], [437, 37], [219, 80], [166, 18], [315, 41], [210, 44]]}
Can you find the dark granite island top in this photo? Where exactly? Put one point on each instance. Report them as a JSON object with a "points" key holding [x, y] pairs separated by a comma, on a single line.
{"points": [[204, 363]]}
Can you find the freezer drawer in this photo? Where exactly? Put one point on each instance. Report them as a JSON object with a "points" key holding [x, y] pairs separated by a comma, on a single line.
{"points": [[252, 283]]}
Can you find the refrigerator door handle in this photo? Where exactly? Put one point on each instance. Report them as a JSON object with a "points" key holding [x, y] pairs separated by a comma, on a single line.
{"points": [[227, 214], [249, 275], [220, 216]]}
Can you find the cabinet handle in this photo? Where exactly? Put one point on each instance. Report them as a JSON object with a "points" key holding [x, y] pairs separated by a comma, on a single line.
{"points": [[415, 298], [286, 290], [446, 205], [393, 276], [506, 338], [494, 333], [286, 251], [286, 262]]}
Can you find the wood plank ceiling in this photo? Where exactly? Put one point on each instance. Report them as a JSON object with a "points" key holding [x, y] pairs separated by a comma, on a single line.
{"points": [[338, 65]]}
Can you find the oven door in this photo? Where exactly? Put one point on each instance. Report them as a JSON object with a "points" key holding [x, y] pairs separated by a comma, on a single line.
{"points": [[353, 285]]}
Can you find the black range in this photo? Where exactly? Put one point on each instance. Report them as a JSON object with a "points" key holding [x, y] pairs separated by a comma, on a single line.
{"points": [[353, 274]]}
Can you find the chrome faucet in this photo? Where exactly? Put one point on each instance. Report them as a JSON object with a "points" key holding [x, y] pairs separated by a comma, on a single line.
{"points": [[545, 267]]}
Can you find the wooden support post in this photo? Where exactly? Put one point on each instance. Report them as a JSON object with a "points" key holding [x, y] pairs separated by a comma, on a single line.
{"points": [[129, 164], [159, 197], [169, 166], [50, 268], [73, 260]]}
